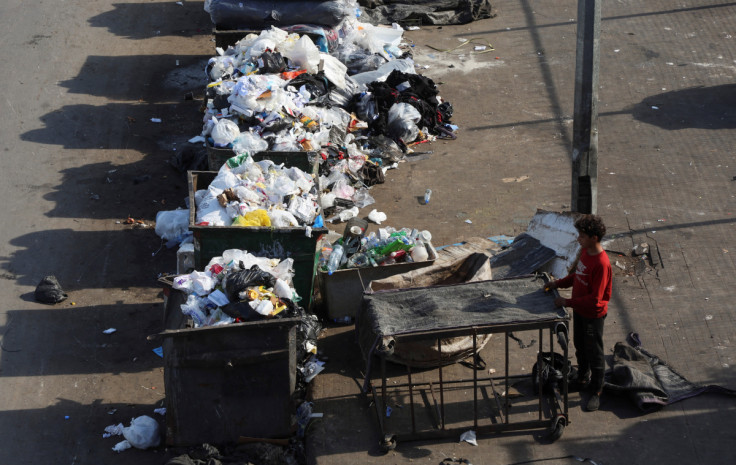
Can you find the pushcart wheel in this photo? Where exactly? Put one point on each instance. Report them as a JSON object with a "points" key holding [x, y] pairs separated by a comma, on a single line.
{"points": [[388, 443], [557, 429]]}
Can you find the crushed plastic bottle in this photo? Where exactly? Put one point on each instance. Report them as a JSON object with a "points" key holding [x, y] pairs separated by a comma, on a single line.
{"points": [[427, 195], [333, 263]]}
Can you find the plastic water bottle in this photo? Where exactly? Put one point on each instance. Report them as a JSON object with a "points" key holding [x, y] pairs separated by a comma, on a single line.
{"points": [[427, 195], [333, 263], [324, 256]]}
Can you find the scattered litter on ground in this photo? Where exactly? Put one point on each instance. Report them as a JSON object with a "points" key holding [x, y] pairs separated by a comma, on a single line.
{"points": [[517, 179], [469, 437]]}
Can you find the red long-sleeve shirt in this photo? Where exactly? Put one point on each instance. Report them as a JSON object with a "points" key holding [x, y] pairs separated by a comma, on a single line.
{"points": [[591, 285]]}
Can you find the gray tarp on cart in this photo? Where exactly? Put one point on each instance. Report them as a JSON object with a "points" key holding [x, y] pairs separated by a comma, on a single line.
{"points": [[403, 311]]}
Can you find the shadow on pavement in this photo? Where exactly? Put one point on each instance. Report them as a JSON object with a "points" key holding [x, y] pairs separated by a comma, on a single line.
{"points": [[118, 126], [65, 423], [114, 77], [70, 340], [155, 19], [697, 107], [92, 259]]}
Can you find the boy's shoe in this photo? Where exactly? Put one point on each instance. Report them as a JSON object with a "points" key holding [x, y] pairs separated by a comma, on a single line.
{"points": [[580, 382], [594, 403]]}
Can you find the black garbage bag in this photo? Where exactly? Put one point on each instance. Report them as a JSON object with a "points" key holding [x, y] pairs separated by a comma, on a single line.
{"points": [[189, 160], [241, 311], [316, 84], [307, 330], [272, 63], [49, 291], [554, 368], [241, 280]]}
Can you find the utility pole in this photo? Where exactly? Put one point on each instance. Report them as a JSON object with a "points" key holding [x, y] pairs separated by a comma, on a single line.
{"points": [[585, 118]]}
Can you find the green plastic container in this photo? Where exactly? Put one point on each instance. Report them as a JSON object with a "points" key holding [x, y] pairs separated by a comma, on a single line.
{"points": [[281, 243]]}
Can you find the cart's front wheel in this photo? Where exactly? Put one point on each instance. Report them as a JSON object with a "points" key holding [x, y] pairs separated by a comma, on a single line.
{"points": [[388, 443], [555, 432]]}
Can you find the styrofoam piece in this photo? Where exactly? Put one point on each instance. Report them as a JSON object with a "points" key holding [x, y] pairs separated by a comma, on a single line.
{"points": [[556, 230]]}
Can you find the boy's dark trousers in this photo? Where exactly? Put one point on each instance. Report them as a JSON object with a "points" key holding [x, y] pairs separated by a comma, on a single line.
{"points": [[588, 340]]}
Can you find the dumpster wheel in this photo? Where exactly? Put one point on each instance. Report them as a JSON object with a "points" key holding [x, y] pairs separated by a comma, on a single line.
{"points": [[555, 432], [388, 443]]}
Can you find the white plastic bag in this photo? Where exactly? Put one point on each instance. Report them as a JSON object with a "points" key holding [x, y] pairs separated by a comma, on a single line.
{"points": [[402, 122], [202, 282], [376, 216], [143, 432], [282, 219], [403, 65], [173, 224], [304, 54], [249, 143], [193, 309], [209, 211], [224, 132]]}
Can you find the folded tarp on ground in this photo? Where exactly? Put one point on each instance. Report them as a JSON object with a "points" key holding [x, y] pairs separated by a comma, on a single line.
{"points": [[649, 381], [425, 11]]}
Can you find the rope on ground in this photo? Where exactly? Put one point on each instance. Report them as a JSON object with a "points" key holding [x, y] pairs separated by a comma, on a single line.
{"points": [[488, 47]]}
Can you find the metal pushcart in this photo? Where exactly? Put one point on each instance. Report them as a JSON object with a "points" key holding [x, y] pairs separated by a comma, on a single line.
{"points": [[436, 315]]}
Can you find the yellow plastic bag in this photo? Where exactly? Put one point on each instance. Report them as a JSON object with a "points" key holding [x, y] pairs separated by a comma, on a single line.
{"points": [[254, 218]]}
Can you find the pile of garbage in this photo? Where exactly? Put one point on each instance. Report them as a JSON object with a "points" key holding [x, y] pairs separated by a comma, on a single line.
{"points": [[360, 107], [241, 287], [249, 193], [386, 247]]}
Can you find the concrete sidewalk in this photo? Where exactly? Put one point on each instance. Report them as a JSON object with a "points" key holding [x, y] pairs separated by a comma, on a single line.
{"points": [[667, 113]]}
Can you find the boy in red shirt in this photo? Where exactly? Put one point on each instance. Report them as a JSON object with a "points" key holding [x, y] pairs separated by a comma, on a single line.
{"points": [[591, 291]]}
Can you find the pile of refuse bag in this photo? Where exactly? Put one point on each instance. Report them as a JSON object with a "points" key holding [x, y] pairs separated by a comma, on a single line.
{"points": [[386, 247], [258, 194], [241, 287], [259, 14]]}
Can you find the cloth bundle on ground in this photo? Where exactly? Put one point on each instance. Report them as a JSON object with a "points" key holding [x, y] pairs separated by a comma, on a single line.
{"points": [[260, 14], [420, 92], [648, 380], [425, 11]]}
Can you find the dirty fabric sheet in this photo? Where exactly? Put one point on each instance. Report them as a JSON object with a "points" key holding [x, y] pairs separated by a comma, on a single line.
{"points": [[443, 307], [437, 12], [649, 381]]}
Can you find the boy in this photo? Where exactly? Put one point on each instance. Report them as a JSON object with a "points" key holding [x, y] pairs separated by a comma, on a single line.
{"points": [[591, 291]]}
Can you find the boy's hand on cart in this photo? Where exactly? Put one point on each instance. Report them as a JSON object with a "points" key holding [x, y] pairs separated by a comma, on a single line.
{"points": [[550, 286], [560, 302]]}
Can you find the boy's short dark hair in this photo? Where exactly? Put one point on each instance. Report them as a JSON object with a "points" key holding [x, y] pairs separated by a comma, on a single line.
{"points": [[591, 225]]}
